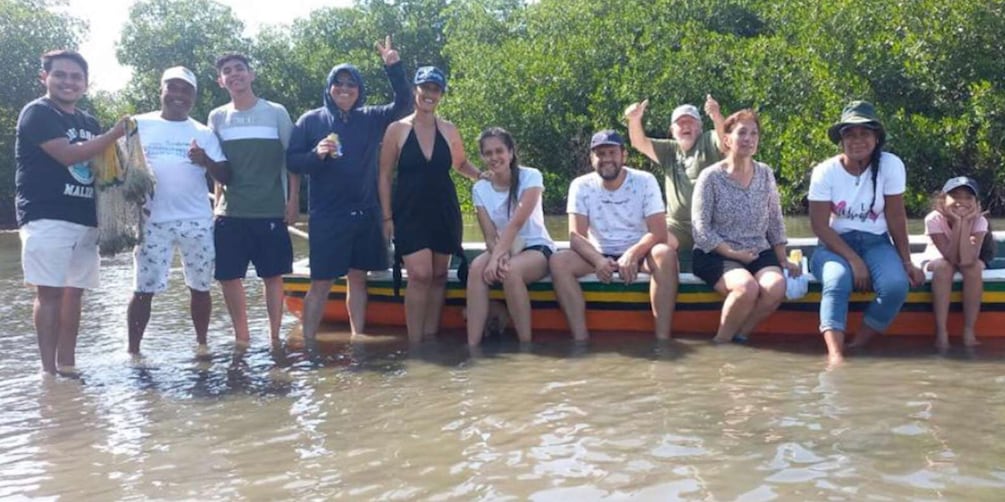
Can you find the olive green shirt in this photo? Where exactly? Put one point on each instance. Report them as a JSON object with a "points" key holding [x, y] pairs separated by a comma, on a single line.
{"points": [[681, 170]]}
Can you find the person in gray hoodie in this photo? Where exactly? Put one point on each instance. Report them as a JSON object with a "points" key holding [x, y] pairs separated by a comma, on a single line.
{"points": [[336, 145]]}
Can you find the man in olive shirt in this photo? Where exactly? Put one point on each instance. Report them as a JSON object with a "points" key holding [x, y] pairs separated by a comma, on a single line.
{"points": [[682, 158]]}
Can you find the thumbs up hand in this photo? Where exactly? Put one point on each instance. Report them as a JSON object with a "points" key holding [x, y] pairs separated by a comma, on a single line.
{"points": [[197, 155]]}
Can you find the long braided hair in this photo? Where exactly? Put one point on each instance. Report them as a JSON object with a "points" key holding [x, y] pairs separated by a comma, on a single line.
{"points": [[514, 163], [877, 154]]}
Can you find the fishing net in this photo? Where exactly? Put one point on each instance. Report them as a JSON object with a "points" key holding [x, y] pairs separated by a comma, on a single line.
{"points": [[124, 182]]}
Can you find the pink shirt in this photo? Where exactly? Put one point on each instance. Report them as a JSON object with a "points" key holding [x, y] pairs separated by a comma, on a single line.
{"points": [[936, 223]]}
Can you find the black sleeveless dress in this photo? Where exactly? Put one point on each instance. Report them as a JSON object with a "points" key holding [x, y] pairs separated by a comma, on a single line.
{"points": [[426, 212]]}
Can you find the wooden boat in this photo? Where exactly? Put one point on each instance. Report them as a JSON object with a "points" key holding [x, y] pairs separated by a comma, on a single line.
{"points": [[617, 307]]}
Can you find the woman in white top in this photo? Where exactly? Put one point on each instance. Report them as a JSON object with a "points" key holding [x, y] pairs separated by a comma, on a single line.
{"points": [[518, 244], [856, 209]]}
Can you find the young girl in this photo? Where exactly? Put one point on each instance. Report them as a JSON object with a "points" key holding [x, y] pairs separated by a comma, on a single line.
{"points": [[517, 242], [956, 229]]}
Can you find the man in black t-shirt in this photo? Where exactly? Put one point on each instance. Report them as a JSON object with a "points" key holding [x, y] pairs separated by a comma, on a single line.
{"points": [[55, 204]]}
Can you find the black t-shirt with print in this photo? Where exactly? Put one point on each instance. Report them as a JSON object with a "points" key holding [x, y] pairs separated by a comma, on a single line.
{"points": [[46, 189]]}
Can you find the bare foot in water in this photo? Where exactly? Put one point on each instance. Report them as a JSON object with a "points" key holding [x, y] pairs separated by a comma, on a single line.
{"points": [[862, 338], [834, 361], [942, 342], [970, 339], [721, 339]]}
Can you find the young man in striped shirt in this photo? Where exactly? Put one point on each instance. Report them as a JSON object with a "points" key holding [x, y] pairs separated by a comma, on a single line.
{"points": [[260, 199]]}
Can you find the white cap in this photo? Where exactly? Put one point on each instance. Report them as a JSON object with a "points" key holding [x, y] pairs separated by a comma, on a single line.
{"points": [[179, 73], [685, 110]]}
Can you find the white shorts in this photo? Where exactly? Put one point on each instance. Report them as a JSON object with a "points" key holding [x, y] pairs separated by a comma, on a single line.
{"points": [[153, 259], [59, 254]]}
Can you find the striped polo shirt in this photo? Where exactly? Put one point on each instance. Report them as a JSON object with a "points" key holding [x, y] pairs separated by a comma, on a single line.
{"points": [[254, 141]]}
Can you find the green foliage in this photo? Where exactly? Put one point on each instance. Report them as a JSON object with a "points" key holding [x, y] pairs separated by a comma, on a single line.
{"points": [[28, 28], [165, 33], [561, 69]]}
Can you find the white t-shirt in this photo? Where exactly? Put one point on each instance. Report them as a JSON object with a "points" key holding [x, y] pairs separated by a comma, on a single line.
{"points": [[533, 231], [181, 192], [850, 196], [618, 218]]}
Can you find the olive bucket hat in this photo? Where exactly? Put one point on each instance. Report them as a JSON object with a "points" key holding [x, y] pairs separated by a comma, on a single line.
{"points": [[857, 113]]}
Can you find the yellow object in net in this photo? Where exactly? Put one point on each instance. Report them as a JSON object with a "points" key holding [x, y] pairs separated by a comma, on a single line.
{"points": [[124, 183]]}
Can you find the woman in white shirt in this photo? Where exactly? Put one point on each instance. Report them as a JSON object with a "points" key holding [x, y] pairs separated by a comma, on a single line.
{"points": [[856, 207], [517, 242]]}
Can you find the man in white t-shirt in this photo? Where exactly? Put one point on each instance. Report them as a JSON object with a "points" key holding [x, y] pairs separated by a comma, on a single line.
{"points": [[616, 227], [181, 152]]}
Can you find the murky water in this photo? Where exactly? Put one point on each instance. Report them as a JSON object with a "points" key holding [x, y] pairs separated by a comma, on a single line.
{"points": [[622, 419]]}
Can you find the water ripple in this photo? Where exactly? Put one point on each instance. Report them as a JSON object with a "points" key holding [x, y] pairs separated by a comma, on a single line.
{"points": [[374, 419]]}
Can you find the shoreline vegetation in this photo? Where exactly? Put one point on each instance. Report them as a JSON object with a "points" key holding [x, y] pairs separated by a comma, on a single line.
{"points": [[553, 71]]}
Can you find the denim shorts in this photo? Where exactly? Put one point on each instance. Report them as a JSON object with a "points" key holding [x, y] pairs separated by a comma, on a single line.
{"points": [[541, 248]]}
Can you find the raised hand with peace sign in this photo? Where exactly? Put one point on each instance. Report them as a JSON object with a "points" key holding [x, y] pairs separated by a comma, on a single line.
{"points": [[387, 52]]}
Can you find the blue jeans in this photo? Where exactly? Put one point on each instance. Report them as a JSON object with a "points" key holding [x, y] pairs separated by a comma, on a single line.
{"points": [[886, 270]]}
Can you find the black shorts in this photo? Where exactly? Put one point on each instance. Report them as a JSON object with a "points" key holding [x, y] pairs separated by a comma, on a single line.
{"points": [[264, 242], [353, 240], [710, 267]]}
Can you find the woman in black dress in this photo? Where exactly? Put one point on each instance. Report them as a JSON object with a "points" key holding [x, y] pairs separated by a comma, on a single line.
{"points": [[423, 217]]}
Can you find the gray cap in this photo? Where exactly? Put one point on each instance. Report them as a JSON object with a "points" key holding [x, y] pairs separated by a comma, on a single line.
{"points": [[685, 110]]}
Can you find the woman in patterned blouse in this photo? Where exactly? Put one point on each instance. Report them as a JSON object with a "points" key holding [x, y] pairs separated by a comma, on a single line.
{"points": [[739, 237]]}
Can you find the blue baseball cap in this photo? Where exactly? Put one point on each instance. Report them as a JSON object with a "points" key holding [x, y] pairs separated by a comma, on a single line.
{"points": [[606, 137], [961, 181], [432, 74]]}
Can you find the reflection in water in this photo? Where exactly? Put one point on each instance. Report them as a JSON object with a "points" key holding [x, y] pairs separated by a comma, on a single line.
{"points": [[371, 418]]}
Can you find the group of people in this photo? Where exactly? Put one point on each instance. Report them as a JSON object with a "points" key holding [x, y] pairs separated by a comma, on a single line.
{"points": [[725, 224], [240, 155], [380, 177]]}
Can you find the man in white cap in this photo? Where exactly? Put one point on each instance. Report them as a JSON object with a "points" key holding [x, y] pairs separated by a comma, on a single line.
{"points": [[181, 152], [682, 158]]}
